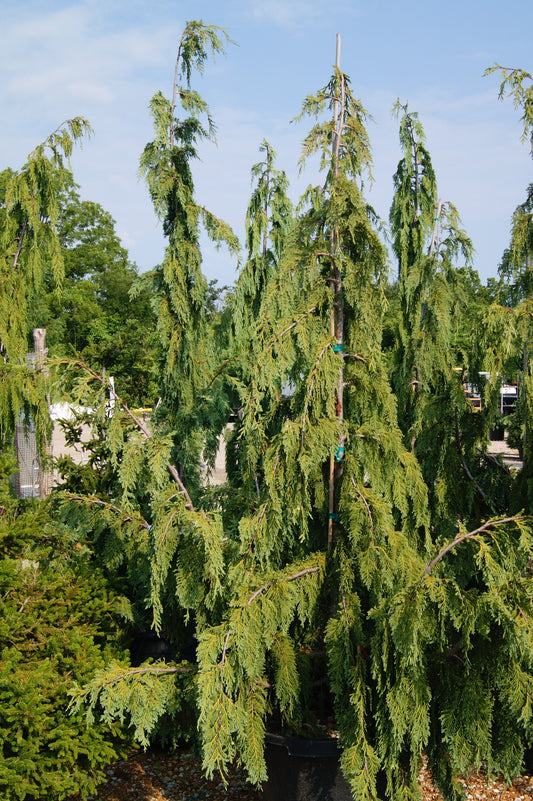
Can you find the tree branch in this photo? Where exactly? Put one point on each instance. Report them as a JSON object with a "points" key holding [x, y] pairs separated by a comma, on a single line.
{"points": [[20, 244], [140, 671], [308, 571], [92, 500], [225, 648], [470, 535], [142, 428], [290, 327], [367, 506]]}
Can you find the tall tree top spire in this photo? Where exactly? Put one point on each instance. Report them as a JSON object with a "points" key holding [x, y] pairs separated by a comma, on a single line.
{"points": [[341, 139], [197, 42]]}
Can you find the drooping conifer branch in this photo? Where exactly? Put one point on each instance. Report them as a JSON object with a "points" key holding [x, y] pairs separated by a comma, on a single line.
{"points": [[434, 244], [153, 670], [256, 528], [366, 504], [20, 244], [356, 356], [29, 242], [289, 328], [92, 500], [140, 424], [307, 572], [61, 141], [519, 85], [472, 535], [225, 648], [311, 387]]}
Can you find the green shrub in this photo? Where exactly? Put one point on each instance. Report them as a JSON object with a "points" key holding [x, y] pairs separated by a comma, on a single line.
{"points": [[57, 626]]}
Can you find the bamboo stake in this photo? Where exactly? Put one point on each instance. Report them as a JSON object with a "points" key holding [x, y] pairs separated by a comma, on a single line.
{"points": [[335, 138]]}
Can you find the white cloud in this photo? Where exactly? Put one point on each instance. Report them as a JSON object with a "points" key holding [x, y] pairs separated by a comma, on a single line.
{"points": [[64, 53], [41, 29], [54, 85], [295, 13], [281, 13]]}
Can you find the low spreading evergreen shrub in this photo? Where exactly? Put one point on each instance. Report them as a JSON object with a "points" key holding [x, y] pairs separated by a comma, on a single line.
{"points": [[57, 626]]}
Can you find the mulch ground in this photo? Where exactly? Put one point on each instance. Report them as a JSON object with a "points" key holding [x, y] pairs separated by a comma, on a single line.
{"points": [[155, 776]]}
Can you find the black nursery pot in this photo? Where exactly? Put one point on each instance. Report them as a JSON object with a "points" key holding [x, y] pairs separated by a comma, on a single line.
{"points": [[301, 770]]}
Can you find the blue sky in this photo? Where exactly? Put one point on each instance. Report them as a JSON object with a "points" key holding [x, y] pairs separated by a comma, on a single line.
{"points": [[104, 59]]}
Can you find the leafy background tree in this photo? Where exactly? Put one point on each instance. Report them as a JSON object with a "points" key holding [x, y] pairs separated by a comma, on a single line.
{"points": [[97, 311]]}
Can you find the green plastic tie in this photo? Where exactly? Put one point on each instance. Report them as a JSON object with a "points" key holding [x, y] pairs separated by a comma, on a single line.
{"points": [[338, 348], [334, 516], [339, 456]]}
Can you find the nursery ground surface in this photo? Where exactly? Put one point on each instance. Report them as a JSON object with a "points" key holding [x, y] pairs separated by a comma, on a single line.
{"points": [[156, 776]]}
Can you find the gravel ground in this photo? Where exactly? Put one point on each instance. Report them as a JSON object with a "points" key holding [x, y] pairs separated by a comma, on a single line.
{"points": [[157, 776]]}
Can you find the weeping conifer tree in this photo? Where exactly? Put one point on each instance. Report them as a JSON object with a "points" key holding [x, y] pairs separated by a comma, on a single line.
{"points": [[269, 218], [412, 217], [155, 523], [29, 247], [187, 359], [152, 519], [339, 565], [338, 494], [439, 424], [509, 333]]}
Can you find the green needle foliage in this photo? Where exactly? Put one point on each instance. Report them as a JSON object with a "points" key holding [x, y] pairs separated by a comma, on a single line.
{"points": [[58, 621], [338, 496], [180, 291], [439, 425], [412, 220], [509, 334], [415, 199], [351, 583], [268, 220], [519, 85], [30, 248]]}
